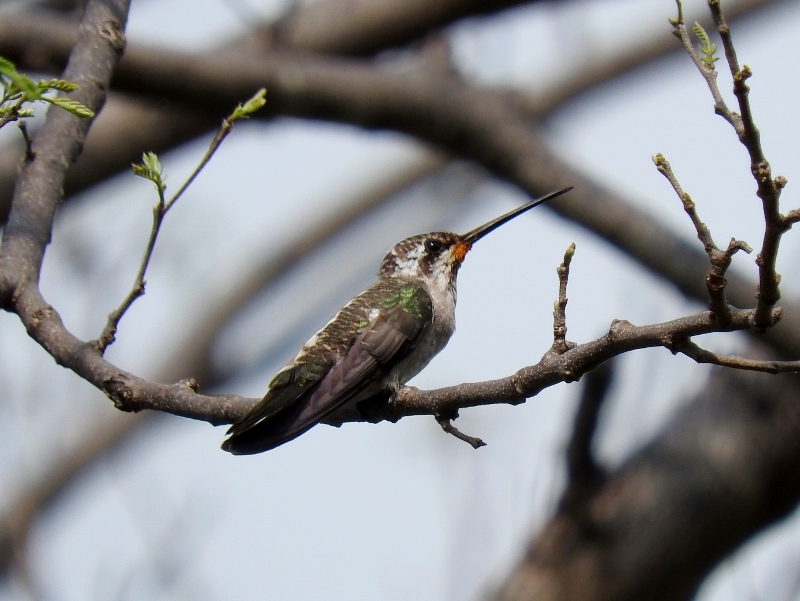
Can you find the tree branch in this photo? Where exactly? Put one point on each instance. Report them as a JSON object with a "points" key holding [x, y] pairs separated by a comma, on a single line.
{"points": [[44, 310], [40, 185], [584, 475], [39, 190], [560, 344], [364, 27], [727, 466], [720, 260], [769, 189]]}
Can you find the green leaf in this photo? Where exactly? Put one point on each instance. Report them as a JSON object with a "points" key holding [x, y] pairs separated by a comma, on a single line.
{"points": [[57, 84], [150, 168], [243, 111], [706, 48], [7, 67], [25, 85], [18, 80], [150, 159], [73, 106]]}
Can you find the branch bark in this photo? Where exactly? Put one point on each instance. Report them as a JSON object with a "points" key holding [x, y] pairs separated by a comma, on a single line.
{"points": [[727, 466]]}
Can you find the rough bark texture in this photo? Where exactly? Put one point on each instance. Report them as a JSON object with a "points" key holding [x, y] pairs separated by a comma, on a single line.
{"points": [[728, 465]]}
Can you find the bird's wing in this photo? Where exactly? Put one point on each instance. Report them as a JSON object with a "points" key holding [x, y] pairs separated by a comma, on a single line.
{"points": [[288, 385], [386, 339]]}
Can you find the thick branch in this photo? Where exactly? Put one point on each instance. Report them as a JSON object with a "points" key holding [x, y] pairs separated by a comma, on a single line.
{"points": [[727, 466], [369, 26], [132, 393], [39, 190], [584, 475], [40, 185]]}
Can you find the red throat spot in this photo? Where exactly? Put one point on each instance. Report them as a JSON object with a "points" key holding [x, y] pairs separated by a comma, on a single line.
{"points": [[460, 251]]}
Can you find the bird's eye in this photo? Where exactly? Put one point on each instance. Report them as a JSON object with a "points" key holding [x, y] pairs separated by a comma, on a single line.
{"points": [[433, 246]]}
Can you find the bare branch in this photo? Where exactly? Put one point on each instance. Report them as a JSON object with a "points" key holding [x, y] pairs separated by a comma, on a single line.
{"points": [[242, 111], [108, 335], [44, 324], [701, 355], [447, 425], [23, 129], [158, 128], [769, 189], [560, 344], [720, 260], [706, 69], [39, 187], [553, 369], [131, 393], [495, 137]]}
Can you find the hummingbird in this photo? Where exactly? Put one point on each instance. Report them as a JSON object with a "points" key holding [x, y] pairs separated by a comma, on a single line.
{"points": [[377, 342]]}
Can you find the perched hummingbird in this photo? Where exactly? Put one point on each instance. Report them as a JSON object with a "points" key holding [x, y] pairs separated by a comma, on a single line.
{"points": [[378, 341]]}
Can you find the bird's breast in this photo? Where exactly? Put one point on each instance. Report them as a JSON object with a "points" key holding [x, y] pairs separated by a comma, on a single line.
{"points": [[431, 340]]}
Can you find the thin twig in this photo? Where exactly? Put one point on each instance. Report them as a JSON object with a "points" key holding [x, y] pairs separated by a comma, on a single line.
{"points": [[701, 355], [706, 70], [13, 113], [222, 133], [720, 260], [159, 212], [23, 128], [109, 332], [560, 344], [769, 189], [744, 125], [703, 233], [447, 425]]}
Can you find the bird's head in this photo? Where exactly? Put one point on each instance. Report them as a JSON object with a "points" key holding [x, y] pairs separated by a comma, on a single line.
{"points": [[436, 257], [426, 256]]}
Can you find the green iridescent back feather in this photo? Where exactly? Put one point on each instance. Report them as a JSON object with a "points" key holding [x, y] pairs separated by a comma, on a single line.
{"points": [[334, 340]]}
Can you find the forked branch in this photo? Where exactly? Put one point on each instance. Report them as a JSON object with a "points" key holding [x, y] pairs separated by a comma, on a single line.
{"points": [[769, 188]]}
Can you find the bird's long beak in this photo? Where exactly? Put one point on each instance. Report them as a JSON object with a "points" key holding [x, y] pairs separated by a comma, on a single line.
{"points": [[468, 239], [480, 231]]}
